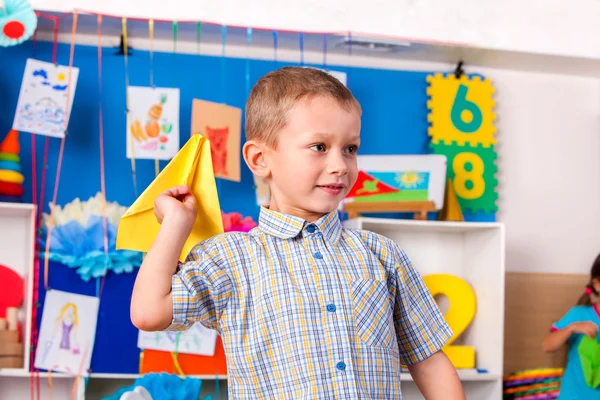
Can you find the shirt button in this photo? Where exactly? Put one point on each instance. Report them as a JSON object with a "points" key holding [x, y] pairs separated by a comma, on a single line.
{"points": [[331, 307], [310, 228], [318, 255], [341, 366]]}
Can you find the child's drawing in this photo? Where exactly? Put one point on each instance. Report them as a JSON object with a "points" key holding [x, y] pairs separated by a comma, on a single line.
{"points": [[42, 107], [221, 125], [153, 123], [67, 332], [218, 148], [196, 340]]}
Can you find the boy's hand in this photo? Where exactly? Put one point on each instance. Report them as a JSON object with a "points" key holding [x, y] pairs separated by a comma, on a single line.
{"points": [[585, 328], [177, 202]]}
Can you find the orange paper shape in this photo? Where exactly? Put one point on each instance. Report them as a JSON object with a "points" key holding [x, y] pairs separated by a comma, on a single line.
{"points": [[10, 144], [191, 364], [222, 126], [191, 166]]}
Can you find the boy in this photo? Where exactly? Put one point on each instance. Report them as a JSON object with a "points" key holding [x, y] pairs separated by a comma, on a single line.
{"points": [[306, 308]]}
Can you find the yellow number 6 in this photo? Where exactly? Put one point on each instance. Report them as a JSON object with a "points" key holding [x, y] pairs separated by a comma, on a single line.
{"points": [[459, 316]]}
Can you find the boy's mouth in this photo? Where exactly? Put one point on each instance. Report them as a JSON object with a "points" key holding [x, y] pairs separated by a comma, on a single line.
{"points": [[332, 188]]}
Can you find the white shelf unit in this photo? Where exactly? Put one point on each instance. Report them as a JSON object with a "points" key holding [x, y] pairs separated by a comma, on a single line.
{"points": [[17, 235], [474, 252]]}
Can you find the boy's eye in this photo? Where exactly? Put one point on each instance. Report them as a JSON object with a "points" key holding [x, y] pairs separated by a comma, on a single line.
{"points": [[352, 149], [318, 147]]}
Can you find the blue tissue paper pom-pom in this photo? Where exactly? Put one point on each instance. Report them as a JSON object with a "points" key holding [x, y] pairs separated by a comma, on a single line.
{"points": [[82, 248]]}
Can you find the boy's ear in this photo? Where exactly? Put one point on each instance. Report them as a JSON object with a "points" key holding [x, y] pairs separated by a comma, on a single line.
{"points": [[254, 155]]}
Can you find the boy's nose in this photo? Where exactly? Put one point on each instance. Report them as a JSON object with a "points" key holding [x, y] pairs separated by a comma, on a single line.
{"points": [[337, 166]]}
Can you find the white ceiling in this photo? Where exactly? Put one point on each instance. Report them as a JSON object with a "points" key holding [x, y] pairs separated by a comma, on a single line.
{"points": [[335, 44]]}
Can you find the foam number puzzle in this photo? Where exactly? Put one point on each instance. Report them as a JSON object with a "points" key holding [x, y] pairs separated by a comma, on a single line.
{"points": [[222, 126], [153, 123], [472, 170], [459, 316], [461, 117], [46, 98], [67, 332]]}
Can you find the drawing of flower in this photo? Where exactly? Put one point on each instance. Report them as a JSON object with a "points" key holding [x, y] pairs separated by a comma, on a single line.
{"points": [[77, 238]]}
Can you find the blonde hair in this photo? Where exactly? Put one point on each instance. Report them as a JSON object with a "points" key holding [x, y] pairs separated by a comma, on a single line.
{"points": [[64, 309], [276, 93]]}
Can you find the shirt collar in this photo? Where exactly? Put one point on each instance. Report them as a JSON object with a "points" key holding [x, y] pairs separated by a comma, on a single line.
{"points": [[286, 226]]}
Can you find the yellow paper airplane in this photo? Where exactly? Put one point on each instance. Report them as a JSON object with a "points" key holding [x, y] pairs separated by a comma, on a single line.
{"points": [[191, 166]]}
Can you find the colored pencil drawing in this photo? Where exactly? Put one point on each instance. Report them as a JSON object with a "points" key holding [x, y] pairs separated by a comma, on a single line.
{"points": [[42, 105], [67, 332], [218, 148], [196, 340], [153, 130], [221, 125]]}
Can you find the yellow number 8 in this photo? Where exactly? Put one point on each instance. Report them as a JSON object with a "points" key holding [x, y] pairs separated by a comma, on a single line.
{"points": [[475, 175], [459, 316]]}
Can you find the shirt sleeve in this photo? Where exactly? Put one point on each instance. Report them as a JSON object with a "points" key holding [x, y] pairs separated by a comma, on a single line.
{"points": [[421, 330], [571, 316], [200, 289]]}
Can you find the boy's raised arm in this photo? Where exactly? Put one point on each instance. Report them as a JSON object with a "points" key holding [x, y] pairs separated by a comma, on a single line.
{"points": [[151, 301]]}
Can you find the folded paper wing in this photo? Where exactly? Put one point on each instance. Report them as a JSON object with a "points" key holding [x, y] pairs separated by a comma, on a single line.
{"points": [[191, 166]]}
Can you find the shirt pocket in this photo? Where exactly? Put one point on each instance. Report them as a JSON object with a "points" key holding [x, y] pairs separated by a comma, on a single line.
{"points": [[372, 312]]}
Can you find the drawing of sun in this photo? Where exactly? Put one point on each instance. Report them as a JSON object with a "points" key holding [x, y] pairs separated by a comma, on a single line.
{"points": [[60, 76], [409, 179]]}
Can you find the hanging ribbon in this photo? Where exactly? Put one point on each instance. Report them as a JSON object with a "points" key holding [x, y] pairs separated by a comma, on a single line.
{"points": [[101, 140], [301, 38], [126, 60], [151, 38], [248, 44], [325, 50], [349, 43], [61, 151], [198, 32], [275, 45], [223, 80]]}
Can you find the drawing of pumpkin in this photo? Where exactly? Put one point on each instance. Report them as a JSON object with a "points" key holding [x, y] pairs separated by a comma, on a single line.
{"points": [[152, 129]]}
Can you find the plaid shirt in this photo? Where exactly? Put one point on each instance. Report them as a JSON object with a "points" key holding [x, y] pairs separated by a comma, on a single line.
{"points": [[309, 310]]}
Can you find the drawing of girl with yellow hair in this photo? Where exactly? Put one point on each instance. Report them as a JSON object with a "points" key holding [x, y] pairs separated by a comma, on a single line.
{"points": [[67, 323]]}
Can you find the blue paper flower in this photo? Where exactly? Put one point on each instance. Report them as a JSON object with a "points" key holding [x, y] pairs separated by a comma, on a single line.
{"points": [[17, 22], [77, 239]]}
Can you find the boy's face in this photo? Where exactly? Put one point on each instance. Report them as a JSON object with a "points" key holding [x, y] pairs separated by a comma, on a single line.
{"points": [[314, 165]]}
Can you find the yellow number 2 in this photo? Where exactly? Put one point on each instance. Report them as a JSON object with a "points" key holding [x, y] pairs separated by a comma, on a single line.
{"points": [[473, 175], [460, 314]]}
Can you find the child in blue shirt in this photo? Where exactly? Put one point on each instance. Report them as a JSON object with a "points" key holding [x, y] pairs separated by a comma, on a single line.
{"points": [[581, 320], [306, 308]]}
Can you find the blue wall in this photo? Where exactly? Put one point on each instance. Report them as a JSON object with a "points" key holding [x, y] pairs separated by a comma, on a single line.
{"points": [[394, 122]]}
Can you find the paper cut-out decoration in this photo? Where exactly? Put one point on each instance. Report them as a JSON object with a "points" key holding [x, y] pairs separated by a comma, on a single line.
{"points": [[17, 22], [221, 125], [42, 107], [67, 332], [400, 178], [77, 239], [153, 131], [589, 354], [11, 178], [196, 340], [191, 166]]}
